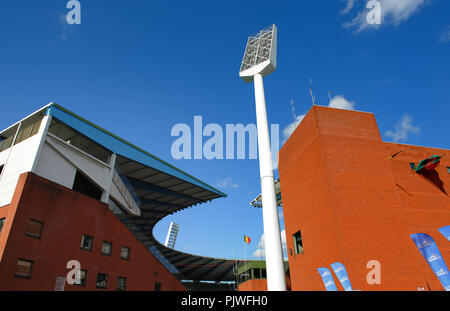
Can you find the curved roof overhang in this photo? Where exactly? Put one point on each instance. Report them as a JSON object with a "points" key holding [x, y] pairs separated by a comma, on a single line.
{"points": [[162, 190]]}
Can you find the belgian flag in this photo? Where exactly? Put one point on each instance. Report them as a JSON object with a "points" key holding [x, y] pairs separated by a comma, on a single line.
{"points": [[247, 239]]}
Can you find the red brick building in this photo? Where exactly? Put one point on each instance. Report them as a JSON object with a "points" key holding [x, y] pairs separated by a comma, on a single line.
{"points": [[347, 202], [45, 224]]}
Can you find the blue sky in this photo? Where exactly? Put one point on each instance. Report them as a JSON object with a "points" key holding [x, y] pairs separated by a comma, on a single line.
{"points": [[137, 68]]}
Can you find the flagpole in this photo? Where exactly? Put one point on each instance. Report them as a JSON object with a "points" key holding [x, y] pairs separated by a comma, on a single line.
{"points": [[245, 260]]}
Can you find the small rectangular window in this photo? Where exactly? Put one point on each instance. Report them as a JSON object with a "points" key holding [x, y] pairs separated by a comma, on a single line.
{"points": [[86, 242], [121, 283], [125, 253], [106, 248], [34, 228], [83, 276], [2, 222], [24, 269], [102, 279], [158, 286], [298, 244], [1, 169], [448, 170]]}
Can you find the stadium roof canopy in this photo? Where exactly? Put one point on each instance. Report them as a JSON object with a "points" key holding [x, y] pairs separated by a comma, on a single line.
{"points": [[160, 189]]}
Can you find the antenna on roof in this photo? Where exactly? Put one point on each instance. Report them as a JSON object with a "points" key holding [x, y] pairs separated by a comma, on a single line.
{"points": [[294, 115], [313, 98], [330, 92]]}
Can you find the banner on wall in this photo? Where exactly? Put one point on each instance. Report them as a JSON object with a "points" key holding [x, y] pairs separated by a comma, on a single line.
{"points": [[432, 255], [327, 279], [341, 273], [445, 232]]}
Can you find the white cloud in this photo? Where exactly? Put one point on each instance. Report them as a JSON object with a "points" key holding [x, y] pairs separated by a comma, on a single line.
{"points": [[348, 6], [338, 101], [445, 37], [402, 129], [393, 12], [66, 30], [260, 249], [226, 183], [290, 128]]}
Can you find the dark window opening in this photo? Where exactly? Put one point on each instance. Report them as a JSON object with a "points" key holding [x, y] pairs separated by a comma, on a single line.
{"points": [[448, 170], [125, 253], [34, 228], [1, 169], [298, 244], [106, 248], [2, 222], [158, 286], [121, 283], [412, 166], [256, 273], [86, 242], [102, 278], [24, 269], [85, 186]]}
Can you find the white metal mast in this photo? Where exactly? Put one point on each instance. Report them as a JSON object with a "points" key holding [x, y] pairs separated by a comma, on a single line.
{"points": [[260, 60], [313, 98]]}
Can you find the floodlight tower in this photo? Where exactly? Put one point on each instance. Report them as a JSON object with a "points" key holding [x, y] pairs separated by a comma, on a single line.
{"points": [[171, 237], [259, 61]]}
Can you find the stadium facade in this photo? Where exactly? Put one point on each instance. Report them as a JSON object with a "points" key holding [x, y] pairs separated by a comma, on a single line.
{"points": [[350, 198], [71, 192]]}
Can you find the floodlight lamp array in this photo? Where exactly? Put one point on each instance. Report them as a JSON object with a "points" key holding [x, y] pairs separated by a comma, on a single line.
{"points": [[260, 53]]}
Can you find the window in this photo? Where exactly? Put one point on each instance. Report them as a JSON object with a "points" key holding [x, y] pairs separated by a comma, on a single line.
{"points": [[106, 248], [448, 170], [412, 166], [2, 222], [1, 169], [24, 268], [121, 283], [27, 130], [298, 245], [158, 286], [86, 242], [83, 277], [6, 143], [102, 278], [125, 253], [78, 140], [34, 228]]}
